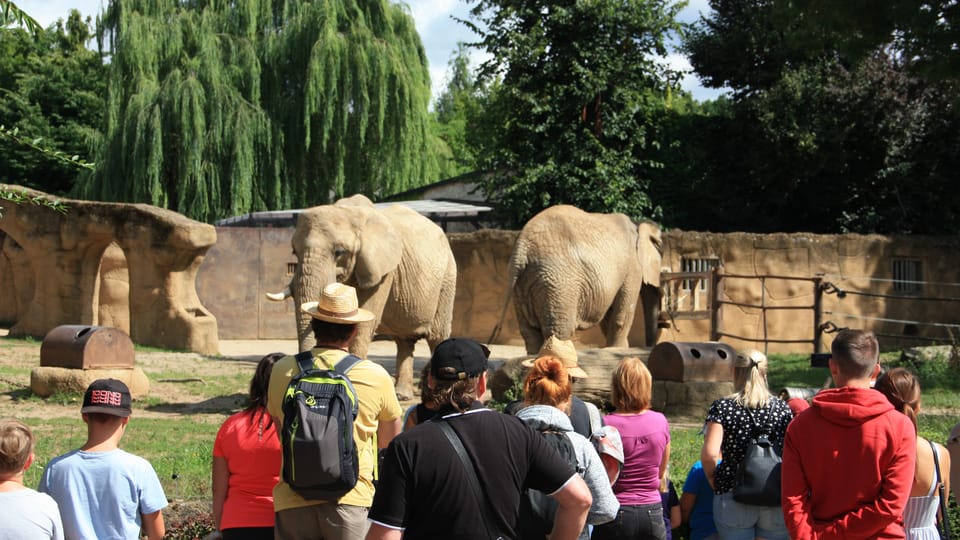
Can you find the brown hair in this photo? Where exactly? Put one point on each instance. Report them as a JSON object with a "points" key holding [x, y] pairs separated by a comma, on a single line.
{"points": [[902, 390], [16, 445], [460, 394], [855, 353], [547, 383], [259, 385], [631, 386]]}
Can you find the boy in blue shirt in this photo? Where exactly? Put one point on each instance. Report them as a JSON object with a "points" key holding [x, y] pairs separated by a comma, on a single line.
{"points": [[696, 505]]}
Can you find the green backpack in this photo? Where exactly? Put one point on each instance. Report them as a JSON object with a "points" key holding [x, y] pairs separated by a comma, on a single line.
{"points": [[320, 459]]}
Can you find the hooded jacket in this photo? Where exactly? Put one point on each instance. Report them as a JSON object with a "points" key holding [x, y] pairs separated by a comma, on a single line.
{"points": [[848, 464], [605, 504]]}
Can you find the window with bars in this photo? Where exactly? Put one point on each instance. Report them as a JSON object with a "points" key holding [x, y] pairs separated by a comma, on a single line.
{"points": [[703, 264], [907, 276]]}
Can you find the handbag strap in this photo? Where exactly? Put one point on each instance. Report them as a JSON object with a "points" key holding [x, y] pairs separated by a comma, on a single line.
{"points": [[472, 479], [945, 522]]}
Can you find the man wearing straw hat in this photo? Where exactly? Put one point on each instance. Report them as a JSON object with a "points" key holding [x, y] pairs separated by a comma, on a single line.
{"points": [[584, 416], [334, 322]]}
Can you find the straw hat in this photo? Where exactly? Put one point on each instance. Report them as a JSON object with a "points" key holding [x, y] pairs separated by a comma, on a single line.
{"points": [[562, 349], [338, 304]]}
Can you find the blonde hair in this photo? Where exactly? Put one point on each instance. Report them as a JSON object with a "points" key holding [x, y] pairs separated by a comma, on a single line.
{"points": [[547, 383], [631, 386], [16, 446], [750, 379], [665, 481]]}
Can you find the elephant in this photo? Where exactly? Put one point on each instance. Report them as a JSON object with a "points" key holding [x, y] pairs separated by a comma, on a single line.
{"points": [[399, 261], [571, 270]]}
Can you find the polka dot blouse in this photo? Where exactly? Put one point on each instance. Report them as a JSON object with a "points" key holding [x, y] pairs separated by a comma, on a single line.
{"points": [[738, 429]]}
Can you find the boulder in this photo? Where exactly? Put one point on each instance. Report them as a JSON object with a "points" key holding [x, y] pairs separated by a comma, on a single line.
{"points": [[46, 381]]}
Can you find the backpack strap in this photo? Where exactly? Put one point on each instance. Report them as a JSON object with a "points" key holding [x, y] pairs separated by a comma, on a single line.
{"points": [[305, 360], [345, 364], [945, 522]]}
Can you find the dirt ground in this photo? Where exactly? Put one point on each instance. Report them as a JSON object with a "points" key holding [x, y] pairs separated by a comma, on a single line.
{"points": [[237, 356]]}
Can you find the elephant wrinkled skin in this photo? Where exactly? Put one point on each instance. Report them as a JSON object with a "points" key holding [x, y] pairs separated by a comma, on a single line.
{"points": [[571, 270], [400, 263]]}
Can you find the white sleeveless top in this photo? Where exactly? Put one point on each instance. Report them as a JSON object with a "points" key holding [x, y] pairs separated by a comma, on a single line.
{"points": [[920, 514]]}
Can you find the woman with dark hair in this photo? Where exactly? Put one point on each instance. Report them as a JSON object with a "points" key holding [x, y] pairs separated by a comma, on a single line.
{"points": [[731, 422], [902, 390], [246, 465], [546, 397], [646, 451]]}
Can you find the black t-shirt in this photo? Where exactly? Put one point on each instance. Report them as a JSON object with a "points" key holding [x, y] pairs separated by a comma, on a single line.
{"points": [[424, 489]]}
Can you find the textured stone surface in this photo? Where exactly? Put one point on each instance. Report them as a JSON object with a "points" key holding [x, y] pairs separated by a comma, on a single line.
{"points": [[46, 381], [69, 268]]}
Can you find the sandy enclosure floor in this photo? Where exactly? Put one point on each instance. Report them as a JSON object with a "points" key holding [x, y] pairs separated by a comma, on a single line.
{"points": [[171, 373]]}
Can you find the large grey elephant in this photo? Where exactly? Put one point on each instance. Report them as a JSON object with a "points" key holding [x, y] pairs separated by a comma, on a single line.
{"points": [[573, 270], [400, 263]]}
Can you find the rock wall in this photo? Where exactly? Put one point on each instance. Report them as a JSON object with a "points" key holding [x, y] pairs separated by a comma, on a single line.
{"points": [[53, 263]]}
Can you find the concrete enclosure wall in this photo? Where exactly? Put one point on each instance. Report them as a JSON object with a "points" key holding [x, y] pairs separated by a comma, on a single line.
{"points": [[245, 263]]}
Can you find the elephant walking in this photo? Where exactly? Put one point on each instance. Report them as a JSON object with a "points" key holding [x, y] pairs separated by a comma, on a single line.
{"points": [[399, 261], [572, 270]]}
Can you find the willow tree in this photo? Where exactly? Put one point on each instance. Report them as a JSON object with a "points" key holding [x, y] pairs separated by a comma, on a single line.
{"points": [[218, 107]]}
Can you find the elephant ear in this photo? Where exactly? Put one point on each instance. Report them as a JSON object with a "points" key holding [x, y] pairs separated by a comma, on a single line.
{"points": [[379, 250], [650, 251]]}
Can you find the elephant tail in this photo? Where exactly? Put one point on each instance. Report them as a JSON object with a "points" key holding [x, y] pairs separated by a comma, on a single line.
{"points": [[518, 260]]}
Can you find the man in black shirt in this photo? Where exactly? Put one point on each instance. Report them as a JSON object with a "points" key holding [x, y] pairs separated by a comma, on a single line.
{"points": [[425, 491]]}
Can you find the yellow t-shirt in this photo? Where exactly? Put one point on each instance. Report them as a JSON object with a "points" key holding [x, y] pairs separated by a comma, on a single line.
{"points": [[378, 403]]}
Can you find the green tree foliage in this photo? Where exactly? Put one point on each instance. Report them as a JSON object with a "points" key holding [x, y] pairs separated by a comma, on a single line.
{"points": [[52, 105], [581, 84], [215, 108], [815, 139], [456, 111]]}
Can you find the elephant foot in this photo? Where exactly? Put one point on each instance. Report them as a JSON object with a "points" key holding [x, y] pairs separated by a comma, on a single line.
{"points": [[404, 392]]}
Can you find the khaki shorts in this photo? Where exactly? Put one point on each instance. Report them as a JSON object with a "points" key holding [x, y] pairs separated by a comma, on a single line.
{"points": [[322, 521]]}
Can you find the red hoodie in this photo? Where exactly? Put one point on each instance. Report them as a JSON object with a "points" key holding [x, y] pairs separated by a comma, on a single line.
{"points": [[848, 465]]}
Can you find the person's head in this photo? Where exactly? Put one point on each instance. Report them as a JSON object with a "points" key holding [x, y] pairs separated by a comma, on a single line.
{"points": [[106, 408], [458, 369], [631, 386], [610, 447], [16, 447], [902, 389], [665, 480], [547, 383], [750, 379], [336, 315], [855, 357], [260, 382]]}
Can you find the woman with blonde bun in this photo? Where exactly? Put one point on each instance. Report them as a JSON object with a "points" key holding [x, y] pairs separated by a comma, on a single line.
{"points": [[731, 422]]}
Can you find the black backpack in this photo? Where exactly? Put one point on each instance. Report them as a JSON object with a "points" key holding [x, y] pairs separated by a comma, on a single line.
{"points": [[758, 476], [320, 459], [537, 510]]}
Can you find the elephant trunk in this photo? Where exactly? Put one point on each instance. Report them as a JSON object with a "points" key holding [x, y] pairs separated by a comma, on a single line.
{"points": [[306, 288]]}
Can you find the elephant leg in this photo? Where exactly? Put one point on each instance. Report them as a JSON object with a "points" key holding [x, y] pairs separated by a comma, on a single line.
{"points": [[404, 370], [650, 301], [618, 319], [532, 337]]}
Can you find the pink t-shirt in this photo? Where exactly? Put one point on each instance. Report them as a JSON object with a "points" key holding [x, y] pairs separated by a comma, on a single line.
{"points": [[252, 451], [645, 438]]}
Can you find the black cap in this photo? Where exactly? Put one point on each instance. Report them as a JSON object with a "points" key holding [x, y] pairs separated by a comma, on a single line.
{"points": [[457, 359], [107, 396]]}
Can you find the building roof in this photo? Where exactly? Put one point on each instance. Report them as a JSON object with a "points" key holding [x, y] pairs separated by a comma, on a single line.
{"points": [[437, 210]]}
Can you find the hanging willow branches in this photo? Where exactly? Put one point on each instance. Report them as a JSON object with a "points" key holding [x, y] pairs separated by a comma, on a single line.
{"points": [[216, 107]]}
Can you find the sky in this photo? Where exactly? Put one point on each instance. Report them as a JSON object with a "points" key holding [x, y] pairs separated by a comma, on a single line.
{"points": [[434, 20]]}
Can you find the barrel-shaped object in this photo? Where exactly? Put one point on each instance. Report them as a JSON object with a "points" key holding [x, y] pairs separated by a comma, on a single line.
{"points": [[86, 347], [708, 361]]}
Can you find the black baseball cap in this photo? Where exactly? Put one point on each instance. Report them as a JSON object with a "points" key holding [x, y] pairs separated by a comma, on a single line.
{"points": [[457, 359], [107, 396]]}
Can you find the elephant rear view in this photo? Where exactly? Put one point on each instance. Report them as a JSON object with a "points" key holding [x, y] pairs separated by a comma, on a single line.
{"points": [[400, 263], [571, 270]]}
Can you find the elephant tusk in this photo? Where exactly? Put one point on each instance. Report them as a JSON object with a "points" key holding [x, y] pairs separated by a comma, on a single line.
{"points": [[279, 297]]}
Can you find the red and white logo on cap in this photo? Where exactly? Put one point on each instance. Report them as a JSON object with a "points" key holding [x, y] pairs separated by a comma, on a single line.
{"points": [[105, 397]]}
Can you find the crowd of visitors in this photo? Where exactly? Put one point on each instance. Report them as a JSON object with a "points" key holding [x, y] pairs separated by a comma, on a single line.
{"points": [[853, 464]]}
